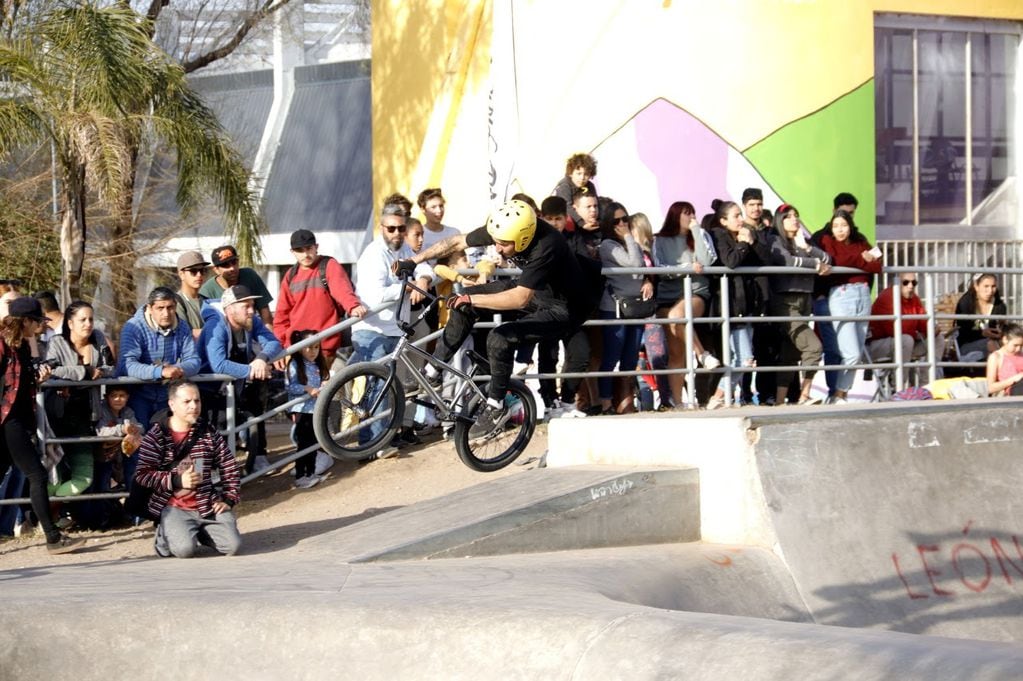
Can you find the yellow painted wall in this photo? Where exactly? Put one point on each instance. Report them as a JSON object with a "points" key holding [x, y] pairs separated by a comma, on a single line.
{"points": [[743, 67]]}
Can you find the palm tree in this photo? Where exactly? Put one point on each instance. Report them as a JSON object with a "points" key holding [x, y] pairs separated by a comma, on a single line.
{"points": [[90, 81]]}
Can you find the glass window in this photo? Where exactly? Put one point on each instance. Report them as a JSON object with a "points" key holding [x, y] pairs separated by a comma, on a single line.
{"points": [[944, 132]]}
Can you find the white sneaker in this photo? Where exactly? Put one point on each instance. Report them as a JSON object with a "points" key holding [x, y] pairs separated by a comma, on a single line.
{"points": [[709, 361], [715, 403], [565, 410], [260, 463], [324, 462], [308, 481]]}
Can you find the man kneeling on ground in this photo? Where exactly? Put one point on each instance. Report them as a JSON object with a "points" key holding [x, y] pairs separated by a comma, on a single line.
{"points": [[176, 461]]}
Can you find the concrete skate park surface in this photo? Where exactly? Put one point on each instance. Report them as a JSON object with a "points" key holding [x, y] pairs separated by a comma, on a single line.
{"points": [[703, 547]]}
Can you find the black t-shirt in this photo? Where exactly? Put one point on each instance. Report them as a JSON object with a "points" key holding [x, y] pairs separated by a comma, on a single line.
{"points": [[548, 265]]}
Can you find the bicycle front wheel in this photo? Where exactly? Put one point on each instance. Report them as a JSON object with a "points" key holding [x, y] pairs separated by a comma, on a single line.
{"points": [[358, 411], [499, 449]]}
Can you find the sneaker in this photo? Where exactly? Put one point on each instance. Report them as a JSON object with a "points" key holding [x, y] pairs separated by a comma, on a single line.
{"points": [[307, 481], [565, 410], [709, 361], [260, 463], [406, 437], [839, 400], [489, 421], [388, 452], [715, 403], [809, 401], [65, 545], [323, 462]]}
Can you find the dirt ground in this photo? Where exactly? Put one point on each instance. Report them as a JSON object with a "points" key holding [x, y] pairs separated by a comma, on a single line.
{"points": [[273, 514]]}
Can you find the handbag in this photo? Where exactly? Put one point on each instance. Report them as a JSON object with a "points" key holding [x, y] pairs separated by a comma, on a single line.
{"points": [[634, 307], [137, 503]]}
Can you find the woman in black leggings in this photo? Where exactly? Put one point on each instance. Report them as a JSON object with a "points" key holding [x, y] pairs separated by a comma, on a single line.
{"points": [[17, 413]]}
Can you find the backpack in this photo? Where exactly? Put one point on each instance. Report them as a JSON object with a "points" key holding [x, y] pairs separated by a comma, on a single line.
{"points": [[324, 259]]}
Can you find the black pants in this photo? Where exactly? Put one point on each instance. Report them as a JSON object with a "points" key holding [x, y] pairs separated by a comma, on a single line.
{"points": [[577, 355], [251, 402], [306, 437], [17, 446], [543, 319]]}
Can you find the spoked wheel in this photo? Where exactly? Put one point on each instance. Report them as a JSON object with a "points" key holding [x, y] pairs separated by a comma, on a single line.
{"points": [[499, 449], [358, 411]]}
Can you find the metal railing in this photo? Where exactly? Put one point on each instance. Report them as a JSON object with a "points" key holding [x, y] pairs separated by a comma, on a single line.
{"points": [[931, 363]]}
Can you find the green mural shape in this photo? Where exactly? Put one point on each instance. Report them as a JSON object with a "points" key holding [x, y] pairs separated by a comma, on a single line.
{"points": [[813, 158]]}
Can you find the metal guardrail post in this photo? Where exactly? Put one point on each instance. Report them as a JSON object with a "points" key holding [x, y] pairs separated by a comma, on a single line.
{"points": [[687, 288], [932, 327], [726, 338], [897, 335], [230, 408]]}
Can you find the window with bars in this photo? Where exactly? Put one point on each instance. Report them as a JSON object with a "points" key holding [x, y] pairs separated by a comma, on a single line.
{"points": [[946, 106]]}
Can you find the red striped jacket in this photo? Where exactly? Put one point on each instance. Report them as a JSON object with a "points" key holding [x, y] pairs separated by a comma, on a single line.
{"points": [[156, 468]]}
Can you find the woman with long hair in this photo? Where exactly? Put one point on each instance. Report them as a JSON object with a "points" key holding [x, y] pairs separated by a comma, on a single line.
{"points": [[682, 242], [81, 353], [980, 337], [792, 296], [621, 341], [849, 294], [17, 413], [739, 246], [653, 341]]}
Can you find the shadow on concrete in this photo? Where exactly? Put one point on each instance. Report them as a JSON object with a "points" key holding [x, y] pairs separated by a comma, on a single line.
{"points": [[284, 537]]}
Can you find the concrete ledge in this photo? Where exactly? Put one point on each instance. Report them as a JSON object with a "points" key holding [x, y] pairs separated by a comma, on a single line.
{"points": [[540, 510]]}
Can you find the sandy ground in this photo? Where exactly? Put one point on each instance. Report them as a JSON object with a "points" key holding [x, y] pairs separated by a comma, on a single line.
{"points": [[275, 515]]}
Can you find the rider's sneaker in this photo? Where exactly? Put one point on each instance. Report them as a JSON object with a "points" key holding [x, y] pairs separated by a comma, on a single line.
{"points": [[489, 420]]}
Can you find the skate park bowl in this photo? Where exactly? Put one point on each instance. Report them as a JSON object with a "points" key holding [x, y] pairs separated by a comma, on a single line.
{"points": [[867, 542]]}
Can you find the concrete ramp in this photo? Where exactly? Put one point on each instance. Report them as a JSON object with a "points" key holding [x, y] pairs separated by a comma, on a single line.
{"points": [[534, 511], [904, 517]]}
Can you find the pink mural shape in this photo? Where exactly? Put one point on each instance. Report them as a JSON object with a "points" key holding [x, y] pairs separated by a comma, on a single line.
{"points": [[689, 160]]}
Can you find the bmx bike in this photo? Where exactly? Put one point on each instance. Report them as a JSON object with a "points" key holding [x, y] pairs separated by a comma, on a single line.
{"points": [[360, 409]]}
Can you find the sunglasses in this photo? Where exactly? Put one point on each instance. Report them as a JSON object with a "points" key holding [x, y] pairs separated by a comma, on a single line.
{"points": [[195, 270], [622, 221], [909, 282], [231, 262], [391, 229]]}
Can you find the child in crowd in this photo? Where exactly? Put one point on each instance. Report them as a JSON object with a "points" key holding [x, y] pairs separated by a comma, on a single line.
{"points": [[1005, 365], [414, 234], [116, 419], [307, 371]]}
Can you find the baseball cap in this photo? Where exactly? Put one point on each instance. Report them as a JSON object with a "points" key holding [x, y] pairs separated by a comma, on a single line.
{"points": [[223, 254], [26, 307], [301, 238], [190, 259], [236, 294]]}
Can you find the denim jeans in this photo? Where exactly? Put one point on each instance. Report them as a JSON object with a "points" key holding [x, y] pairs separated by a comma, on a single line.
{"points": [[369, 346], [849, 300], [740, 343], [180, 532], [826, 331], [621, 349]]}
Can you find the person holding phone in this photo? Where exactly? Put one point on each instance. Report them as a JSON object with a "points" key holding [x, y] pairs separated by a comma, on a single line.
{"points": [[978, 338], [176, 460], [849, 294]]}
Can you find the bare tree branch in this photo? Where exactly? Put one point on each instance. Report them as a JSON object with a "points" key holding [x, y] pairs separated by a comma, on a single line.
{"points": [[227, 48]]}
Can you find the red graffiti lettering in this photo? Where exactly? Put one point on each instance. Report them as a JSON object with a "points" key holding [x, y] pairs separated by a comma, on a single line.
{"points": [[898, 571], [929, 571], [996, 547], [972, 586]]}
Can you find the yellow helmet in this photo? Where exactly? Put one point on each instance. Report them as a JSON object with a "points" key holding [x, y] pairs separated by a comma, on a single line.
{"points": [[515, 221]]}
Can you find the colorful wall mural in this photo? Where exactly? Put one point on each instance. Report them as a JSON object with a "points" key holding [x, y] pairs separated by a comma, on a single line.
{"points": [[677, 100]]}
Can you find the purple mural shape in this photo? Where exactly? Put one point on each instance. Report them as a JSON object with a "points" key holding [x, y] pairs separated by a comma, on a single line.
{"points": [[689, 160]]}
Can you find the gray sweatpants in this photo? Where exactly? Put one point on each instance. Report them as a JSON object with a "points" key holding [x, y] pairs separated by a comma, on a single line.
{"points": [[180, 532]]}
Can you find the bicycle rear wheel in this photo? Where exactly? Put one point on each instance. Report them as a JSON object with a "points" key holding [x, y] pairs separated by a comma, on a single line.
{"points": [[358, 411], [496, 451]]}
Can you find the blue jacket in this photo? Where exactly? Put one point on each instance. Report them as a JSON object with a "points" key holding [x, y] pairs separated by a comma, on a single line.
{"points": [[144, 352], [215, 344]]}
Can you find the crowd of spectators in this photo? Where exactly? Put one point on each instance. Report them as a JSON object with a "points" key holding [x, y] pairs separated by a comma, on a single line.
{"points": [[223, 324]]}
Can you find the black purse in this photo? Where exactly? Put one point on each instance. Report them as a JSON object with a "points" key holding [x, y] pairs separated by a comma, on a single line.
{"points": [[630, 307]]}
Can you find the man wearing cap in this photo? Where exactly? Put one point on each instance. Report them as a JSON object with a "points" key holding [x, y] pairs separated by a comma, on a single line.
{"points": [[228, 273], [315, 294], [192, 273], [239, 344]]}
